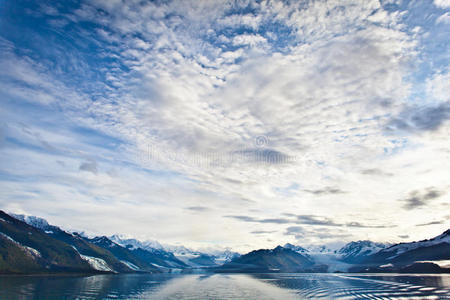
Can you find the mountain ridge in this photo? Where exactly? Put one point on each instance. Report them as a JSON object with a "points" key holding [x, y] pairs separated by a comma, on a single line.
{"points": [[23, 249]]}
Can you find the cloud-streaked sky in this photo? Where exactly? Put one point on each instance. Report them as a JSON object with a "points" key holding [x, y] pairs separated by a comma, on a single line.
{"points": [[242, 124]]}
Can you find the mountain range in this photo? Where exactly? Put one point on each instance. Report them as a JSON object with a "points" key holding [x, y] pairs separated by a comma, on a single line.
{"points": [[30, 245]]}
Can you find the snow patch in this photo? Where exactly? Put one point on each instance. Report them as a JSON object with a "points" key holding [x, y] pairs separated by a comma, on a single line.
{"points": [[130, 265], [32, 221], [8, 237], [97, 263], [359, 249], [135, 244], [398, 249], [31, 251]]}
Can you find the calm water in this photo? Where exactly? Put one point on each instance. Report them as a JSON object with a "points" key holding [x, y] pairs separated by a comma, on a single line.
{"points": [[227, 286]]}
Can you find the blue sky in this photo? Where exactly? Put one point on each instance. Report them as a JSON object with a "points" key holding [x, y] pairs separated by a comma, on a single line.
{"points": [[242, 124]]}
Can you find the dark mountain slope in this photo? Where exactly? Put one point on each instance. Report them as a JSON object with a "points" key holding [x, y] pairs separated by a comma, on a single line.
{"points": [[156, 256], [25, 249], [159, 258], [125, 255], [437, 248], [274, 260], [17, 259], [98, 257]]}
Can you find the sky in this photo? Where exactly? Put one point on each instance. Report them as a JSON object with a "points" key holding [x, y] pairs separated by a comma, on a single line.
{"points": [[242, 124]]}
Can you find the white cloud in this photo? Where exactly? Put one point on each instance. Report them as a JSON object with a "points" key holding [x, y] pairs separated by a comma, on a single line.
{"points": [[438, 86], [442, 3], [189, 81], [445, 18]]}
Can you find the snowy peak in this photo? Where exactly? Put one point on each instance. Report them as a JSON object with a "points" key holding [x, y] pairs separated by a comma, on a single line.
{"points": [[203, 257], [405, 247], [36, 222], [320, 250], [295, 248], [193, 258], [103, 241], [357, 250], [226, 256], [180, 250], [135, 244]]}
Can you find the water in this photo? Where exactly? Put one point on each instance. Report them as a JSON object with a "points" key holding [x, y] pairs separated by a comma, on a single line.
{"points": [[227, 286]]}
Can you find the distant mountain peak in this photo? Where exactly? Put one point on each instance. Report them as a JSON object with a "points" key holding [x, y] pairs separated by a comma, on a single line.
{"points": [[358, 250], [401, 248], [296, 248], [134, 243], [263, 260], [320, 249], [32, 221], [103, 241]]}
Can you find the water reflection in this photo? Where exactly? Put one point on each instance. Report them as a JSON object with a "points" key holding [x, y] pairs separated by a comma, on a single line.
{"points": [[351, 286], [226, 286]]}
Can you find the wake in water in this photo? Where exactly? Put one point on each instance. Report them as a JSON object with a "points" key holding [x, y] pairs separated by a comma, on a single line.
{"points": [[360, 286]]}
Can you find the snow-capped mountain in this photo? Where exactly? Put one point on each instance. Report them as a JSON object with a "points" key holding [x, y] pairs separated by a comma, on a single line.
{"points": [[179, 250], [103, 241], [148, 245], [396, 257], [36, 222], [128, 254], [297, 249], [150, 251], [225, 256], [356, 251], [279, 259], [202, 258], [320, 250], [401, 248], [42, 224]]}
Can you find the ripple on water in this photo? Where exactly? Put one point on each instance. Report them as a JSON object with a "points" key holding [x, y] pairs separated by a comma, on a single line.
{"points": [[226, 286]]}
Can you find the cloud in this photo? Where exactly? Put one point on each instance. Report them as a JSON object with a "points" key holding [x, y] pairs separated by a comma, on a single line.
{"points": [[201, 82], [262, 156], [432, 223], [442, 3], [197, 208], [295, 230], [445, 18], [316, 220], [421, 118], [417, 199], [256, 220], [262, 231], [89, 166], [308, 220], [359, 225], [2, 135], [375, 172], [325, 191], [248, 39], [438, 84], [305, 235]]}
